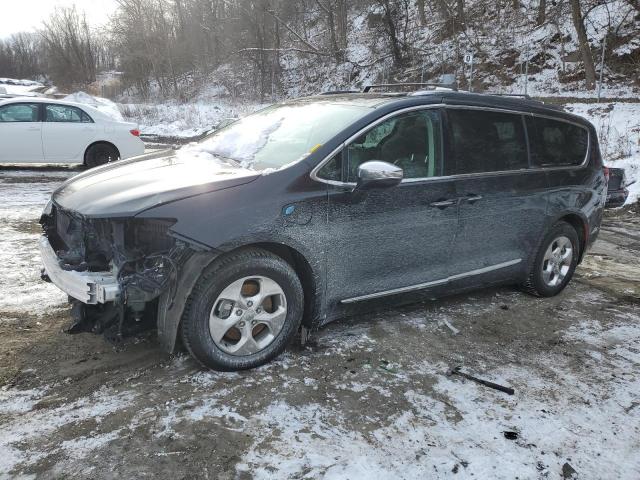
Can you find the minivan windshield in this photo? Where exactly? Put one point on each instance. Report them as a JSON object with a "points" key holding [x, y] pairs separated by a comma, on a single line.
{"points": [[280, 135]]}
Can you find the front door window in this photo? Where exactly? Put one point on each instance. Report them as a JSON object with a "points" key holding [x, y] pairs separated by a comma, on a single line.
{"points": [[411, 141]]}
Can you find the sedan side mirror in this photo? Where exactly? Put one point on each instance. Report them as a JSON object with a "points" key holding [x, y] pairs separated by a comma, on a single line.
{"points": [[378, 174]]}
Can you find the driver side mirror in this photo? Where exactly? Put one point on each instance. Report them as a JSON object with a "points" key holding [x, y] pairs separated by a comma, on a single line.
{"points": [[378, 174]]}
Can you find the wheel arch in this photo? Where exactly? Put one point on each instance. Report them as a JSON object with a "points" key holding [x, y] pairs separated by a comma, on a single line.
{"points": [[99, 142], [581, 227], [170, 310], [308, 278]]}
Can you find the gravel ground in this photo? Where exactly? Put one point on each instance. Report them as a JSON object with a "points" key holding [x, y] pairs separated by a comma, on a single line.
{"points": [[369, 397]]}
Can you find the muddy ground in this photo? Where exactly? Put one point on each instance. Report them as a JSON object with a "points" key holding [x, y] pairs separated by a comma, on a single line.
{"points": [[368, 398]]}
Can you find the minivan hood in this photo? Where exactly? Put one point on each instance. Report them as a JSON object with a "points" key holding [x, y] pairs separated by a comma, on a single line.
{"points": [[127, 187]]}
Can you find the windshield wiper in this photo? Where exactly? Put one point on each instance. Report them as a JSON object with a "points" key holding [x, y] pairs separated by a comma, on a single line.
{"points": [[232, 160]]}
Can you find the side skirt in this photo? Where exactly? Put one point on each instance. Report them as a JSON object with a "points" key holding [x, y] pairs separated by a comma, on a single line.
{"points": [[433, 283]]}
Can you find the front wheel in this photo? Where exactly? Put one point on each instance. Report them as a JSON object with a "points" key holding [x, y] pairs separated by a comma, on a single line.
{"points": [[555, 261], [243, 311]]}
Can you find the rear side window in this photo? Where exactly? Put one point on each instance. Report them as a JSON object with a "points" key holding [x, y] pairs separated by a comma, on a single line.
{"points": [[19, 112], [554, 143], [66, 114], [485, 141]]}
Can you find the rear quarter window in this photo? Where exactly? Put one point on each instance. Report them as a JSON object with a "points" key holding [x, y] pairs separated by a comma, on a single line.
{"points": [[555, 143], [486, 141]]}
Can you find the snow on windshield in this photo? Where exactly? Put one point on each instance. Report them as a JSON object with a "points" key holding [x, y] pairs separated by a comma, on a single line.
{"points": [[241, 142], [280, 135]]}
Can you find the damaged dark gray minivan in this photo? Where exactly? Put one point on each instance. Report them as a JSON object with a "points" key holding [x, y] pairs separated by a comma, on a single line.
{"points": [[316, 208]]}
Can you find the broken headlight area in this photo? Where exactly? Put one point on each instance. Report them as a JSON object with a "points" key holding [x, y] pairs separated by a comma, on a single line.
{"points": [[140, 253]]}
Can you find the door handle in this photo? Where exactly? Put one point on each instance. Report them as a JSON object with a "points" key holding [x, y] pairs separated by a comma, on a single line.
{"points": [[33, 128], [443, 203], [473, 198]]}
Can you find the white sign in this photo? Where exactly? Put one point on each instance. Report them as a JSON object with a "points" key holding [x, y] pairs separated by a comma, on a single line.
{"points": [[468, 58]]}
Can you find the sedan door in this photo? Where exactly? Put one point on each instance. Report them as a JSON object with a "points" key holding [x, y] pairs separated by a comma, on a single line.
{"points": [[66, 133], [502, 200], [20, 133], [395, 239]]}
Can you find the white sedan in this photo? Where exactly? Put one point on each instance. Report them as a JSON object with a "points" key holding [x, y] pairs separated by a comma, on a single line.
{"points": [[41, 130]]}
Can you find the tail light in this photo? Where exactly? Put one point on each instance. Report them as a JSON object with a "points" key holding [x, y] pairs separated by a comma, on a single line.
{"points": [[135, 132]]}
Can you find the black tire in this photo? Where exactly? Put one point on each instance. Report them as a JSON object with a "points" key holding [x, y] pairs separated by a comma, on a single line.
{"points": [[536, 284], [216, 277], [99, 154]]}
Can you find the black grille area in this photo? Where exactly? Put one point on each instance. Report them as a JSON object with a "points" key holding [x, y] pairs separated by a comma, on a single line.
{"points": [[94, 244]]}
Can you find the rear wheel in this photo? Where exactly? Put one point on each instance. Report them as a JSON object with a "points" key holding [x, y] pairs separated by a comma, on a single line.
{"points": [[243, 311], [555, 262], [99, 154]]}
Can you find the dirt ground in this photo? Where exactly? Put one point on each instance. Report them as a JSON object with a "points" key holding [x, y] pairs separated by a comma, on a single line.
{"points": [[367, 398]]}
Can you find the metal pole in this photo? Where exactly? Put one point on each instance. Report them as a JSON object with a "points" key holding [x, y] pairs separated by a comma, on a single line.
{"points": [[471, 76], [604, 42], [526, 70]]}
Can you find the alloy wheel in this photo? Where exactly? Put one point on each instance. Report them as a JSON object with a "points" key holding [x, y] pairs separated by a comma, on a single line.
{"points": [[248, 315], [557, 261]]}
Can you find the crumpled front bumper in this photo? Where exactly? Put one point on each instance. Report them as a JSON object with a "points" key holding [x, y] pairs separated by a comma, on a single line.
{"points": [[88, 287]]}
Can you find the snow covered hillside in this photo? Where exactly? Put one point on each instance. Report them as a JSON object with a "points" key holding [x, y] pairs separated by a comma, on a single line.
{"points": [[618, 126]]}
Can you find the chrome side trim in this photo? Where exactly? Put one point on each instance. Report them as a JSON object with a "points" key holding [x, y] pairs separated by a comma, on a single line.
{"points": [[326, 159], [433, 283]]}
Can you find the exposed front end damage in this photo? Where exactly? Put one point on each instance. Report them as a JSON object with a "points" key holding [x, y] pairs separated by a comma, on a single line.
{"points": [[113, 269]]}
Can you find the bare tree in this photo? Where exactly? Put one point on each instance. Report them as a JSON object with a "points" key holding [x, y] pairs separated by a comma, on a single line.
{"points": [[21, 56], [69, 48], [583, 41]]}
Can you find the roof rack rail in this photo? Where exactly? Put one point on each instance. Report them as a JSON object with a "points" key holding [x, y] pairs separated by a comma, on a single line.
{"points": [[449, 86], [338, 92], [519, 95]]}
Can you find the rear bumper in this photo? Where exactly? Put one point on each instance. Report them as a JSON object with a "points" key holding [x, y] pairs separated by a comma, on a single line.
{"points": [[616, 198], [88, 287]]}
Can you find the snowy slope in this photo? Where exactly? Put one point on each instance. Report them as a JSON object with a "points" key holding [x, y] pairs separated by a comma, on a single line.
{"points": [[618, 126]]}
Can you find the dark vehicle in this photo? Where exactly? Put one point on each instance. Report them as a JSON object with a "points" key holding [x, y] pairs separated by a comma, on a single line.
{"points": [[617, 192], [321, 207]]}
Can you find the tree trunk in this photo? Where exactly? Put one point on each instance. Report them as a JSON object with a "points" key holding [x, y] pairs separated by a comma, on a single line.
{"points": [[398, 59], [583, 41], [342, 23], [421, 13], [329, 11], [460, 14], [542, 13]]}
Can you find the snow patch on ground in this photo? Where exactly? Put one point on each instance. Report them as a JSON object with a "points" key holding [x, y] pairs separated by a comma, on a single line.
{"points": [[21, 205], [26, 88], [41, 425], [459, 426], [19, 401]]}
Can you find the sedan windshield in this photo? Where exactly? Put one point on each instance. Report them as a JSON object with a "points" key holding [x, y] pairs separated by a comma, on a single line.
{"points": [[281, 134]]}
